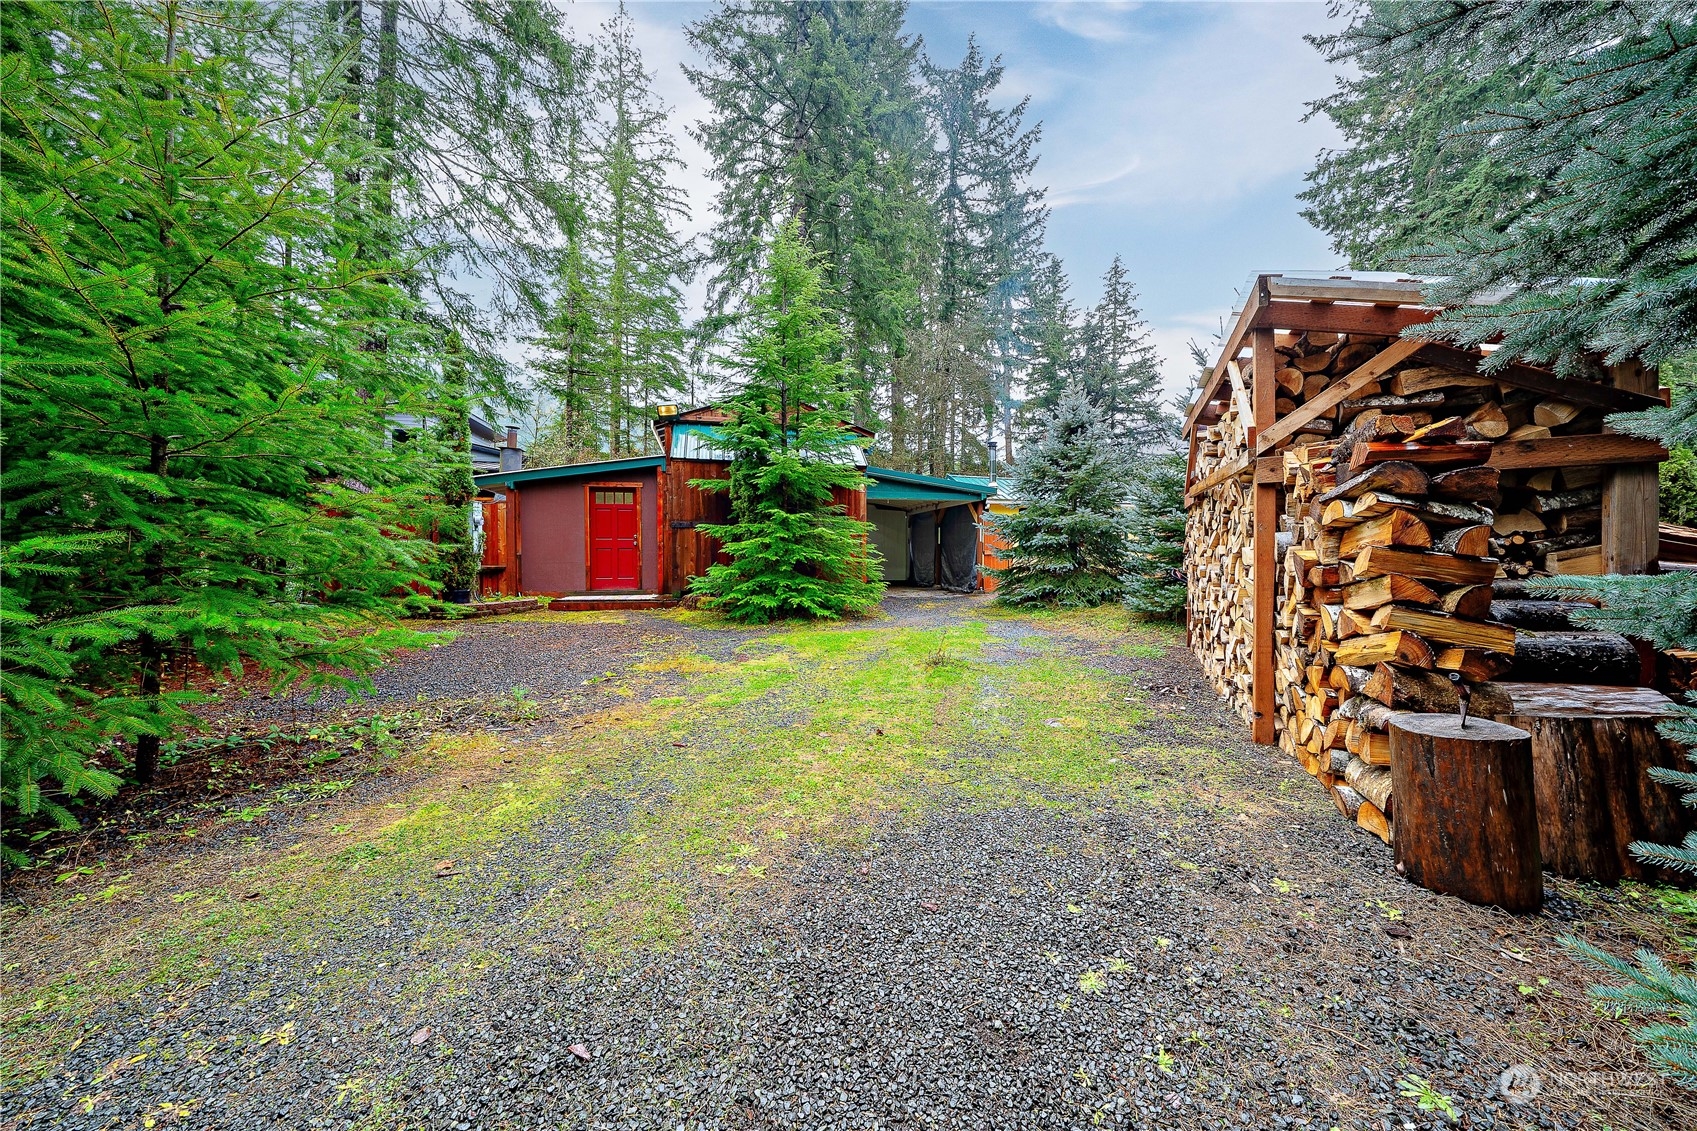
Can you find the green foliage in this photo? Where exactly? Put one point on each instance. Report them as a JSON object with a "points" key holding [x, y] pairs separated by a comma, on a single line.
{"points": [[793, 550], [1592, 103], [1677, 489], [1652, 989], [203, 376], [1426, 1097], [613, 342], [1068, 544], [1156, 586], [816, 117]]}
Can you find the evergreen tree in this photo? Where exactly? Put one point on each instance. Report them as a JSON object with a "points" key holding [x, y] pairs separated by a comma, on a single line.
{"points": [[816, 118], [204, 472], [1051, 327], [641, 320], [1069, 544], [793, 550], [1119, 369], [990, 227], [1156, 586]]}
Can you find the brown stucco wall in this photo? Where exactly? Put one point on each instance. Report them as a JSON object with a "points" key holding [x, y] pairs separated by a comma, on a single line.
{"points": [[553, 538]]}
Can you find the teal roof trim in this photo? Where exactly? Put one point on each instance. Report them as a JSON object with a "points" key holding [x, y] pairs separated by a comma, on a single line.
{"points": [[567, 471], [888, 483]]}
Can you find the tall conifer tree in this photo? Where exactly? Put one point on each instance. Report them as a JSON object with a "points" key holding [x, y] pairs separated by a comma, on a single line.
{"points": [[1120, 370]]}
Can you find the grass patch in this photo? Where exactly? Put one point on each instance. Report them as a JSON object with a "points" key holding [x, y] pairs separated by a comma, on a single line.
{"points": [[618, 830]]}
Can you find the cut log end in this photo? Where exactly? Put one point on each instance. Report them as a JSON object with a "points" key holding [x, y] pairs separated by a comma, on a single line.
{"points": [[1453, 727]]}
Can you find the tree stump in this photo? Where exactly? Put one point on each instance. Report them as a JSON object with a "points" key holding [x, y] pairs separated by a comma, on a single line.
{"points": [[1592, 750], [1466, 813]]}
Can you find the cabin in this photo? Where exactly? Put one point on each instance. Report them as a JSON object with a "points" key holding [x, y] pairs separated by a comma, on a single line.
{"points": [[624, 533], [1366, 512]]}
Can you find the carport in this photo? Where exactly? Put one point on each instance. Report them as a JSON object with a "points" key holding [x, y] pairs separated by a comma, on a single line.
{"points": [[926, 528]]}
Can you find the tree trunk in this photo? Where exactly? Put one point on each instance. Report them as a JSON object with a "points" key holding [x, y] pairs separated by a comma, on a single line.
{"points": [[1466, 811]]}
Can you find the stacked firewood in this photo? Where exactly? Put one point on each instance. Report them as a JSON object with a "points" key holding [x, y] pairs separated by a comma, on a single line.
{"points": [[1551, 521], [1385, 596], [1219, 557]]}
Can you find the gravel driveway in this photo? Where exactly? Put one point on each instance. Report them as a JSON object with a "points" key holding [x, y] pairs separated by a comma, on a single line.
{"points": [[1232, 955]]}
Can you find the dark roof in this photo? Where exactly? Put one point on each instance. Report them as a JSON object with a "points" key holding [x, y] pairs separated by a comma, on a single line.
{"points": [[888, 483], [713, 414], [568, 471]]}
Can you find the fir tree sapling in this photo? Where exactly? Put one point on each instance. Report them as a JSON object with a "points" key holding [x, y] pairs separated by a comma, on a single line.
{"points": [[794, 551], [1068, 544], [1156, 586]]}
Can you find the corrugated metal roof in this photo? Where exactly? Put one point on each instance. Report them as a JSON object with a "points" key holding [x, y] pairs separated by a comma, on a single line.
{"points": [[569, 471], [698, 441]]}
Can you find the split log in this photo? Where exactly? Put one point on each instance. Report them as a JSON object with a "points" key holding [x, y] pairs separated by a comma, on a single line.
{"points": [[1398, 477], [1583, 560], [1385, 647], [1566, 500], [1487, 422], [1439, 431], [1470, 601], [1290, 379], [1445, 629], [1350, 409], [1428, 566], [1465, 484], [1518, 523], [1553, 414], [1431, 693], [1575, 657], [1465, 453], [1347, 800], [1372, 782], [1592, 752], [1581, 518], [1376, 591], [1396, 528], [1371, 818], [1473, 541], [1510, 589], [1475, 665], [1420, 380], [1467, 814]]}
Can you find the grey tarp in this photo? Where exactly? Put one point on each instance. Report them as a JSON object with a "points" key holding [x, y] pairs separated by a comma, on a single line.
{"points": [[960, 550], [922, 543]]}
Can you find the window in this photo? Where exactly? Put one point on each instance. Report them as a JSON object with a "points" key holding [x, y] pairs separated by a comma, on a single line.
{"points": [[615, 498]]}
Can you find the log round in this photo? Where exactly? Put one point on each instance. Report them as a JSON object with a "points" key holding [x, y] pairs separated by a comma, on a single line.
{"points": [[1575, 657], [1592, 752], [1466, 812]]}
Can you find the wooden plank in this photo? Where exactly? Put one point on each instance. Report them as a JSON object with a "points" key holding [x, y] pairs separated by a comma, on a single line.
{"points": [[1575, 451], [1263, 694], [1270, 469], [1630, 533], [1541, 380], [1220, 475], [1337, 319], [1252, 304], [1335, 393], [1240, 395], [1401, 291], [1551, 699]]}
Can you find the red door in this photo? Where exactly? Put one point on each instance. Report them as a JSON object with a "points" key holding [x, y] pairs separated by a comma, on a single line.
{"points": [[614, 560]]}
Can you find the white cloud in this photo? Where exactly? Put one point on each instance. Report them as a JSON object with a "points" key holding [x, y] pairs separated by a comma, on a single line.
{"points": [[1101, 21], [1213, 115], [1172, 336]]}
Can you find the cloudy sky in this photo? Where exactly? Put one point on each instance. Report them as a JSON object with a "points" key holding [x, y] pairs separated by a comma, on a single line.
{"points": [[1172, 136]]}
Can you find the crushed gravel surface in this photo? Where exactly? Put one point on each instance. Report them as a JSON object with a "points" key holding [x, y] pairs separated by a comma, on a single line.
{"points": [[1020, 967]]}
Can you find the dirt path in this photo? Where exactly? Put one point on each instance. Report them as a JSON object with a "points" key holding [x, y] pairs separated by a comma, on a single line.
{"points": [[950, 868]]}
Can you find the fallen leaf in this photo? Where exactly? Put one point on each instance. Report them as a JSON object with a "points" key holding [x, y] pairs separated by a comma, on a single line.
{"points": [[680, 744], [929, 906], [421, 1036], [579, 1051], [445, 868], [1398, 931]]}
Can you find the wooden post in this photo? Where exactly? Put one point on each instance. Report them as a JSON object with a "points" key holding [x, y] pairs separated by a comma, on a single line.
{"points": [[1264, 393], [1466, 816], [1631, 542]]}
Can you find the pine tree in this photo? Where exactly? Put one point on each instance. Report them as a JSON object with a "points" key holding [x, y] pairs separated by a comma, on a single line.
{"points": [[1051, 327], [817, 119], [641, 319], [793, 549], [1069, 544], [1156, 587], [204, 472], [1120, 370]]}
